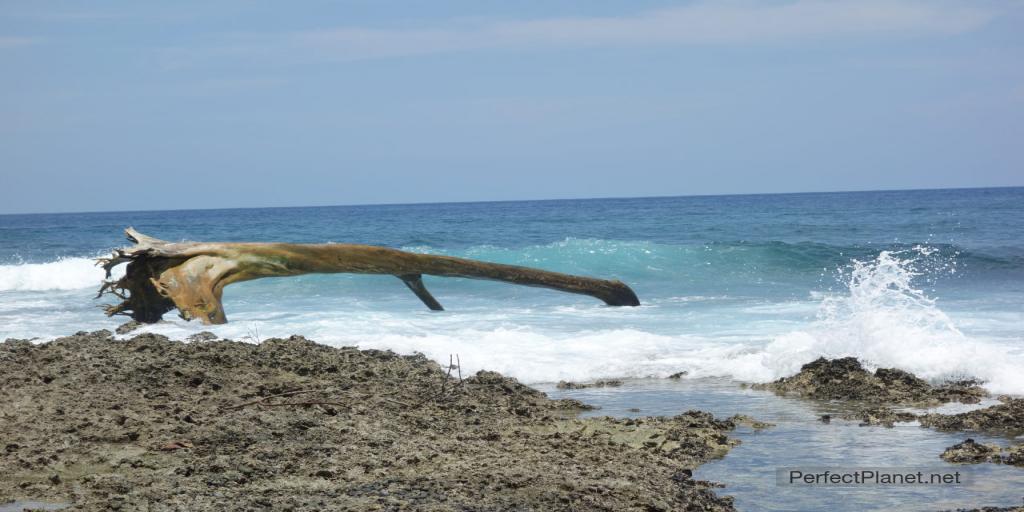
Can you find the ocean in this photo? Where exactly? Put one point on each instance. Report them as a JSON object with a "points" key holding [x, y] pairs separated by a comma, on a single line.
{"points": [[745, 287], [733, 289]]}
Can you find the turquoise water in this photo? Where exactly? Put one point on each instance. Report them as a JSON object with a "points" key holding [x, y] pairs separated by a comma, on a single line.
{"points": [[734, 288], [744, 287]]}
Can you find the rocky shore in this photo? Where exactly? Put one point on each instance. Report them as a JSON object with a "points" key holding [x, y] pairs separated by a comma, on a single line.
{"points": [[90, 422], [846, 379], [149, 424], [874, 397], [877, 395]]}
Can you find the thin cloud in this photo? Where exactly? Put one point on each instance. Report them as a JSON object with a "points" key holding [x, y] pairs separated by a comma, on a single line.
{"points": [[729, 23], [17, 42]]}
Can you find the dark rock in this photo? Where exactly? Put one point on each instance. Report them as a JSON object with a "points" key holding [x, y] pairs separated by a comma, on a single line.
{"points": [[971, 452], [845, 379], [596, 384], [879, 416], [1014, 455], [1004, 418], [128, 327]]}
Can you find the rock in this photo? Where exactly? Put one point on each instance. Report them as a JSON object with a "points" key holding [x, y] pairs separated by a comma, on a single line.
{"points": [[1014, 455], [201, 336], [128, 327], [291, 424], [968, 391], [845, 379], [971, 452], [596, 384], [742, 419], [176, 445], [1004, 418], [879, 416], [678, 375]]}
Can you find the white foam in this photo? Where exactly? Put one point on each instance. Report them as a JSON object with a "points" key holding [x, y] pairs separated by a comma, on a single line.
{"points": [[63, 274], [527, 354], [886, 322], [880, 318]]}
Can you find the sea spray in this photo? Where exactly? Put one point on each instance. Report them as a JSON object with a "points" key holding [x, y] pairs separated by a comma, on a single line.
{"points": [[886, 320]]}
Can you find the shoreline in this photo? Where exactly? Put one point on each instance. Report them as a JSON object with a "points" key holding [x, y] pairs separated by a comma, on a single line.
{"points": [[98, 423]]}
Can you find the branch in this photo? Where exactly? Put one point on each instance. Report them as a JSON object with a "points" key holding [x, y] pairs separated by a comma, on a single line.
{"points": [[191, 276]]}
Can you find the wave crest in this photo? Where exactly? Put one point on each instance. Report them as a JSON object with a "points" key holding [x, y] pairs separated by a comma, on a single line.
{"points": [[63, 274], [884, 320]]}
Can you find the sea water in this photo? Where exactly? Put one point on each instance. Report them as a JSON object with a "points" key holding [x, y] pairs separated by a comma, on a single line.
{"points": [[744, 287], [799, 439], [733, 288]]}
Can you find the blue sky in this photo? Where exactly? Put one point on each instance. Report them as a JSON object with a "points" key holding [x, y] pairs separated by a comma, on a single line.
{"points": [[143, 105]]}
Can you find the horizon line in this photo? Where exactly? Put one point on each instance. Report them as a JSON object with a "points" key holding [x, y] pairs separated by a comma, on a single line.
{"points": [[484, 201]]}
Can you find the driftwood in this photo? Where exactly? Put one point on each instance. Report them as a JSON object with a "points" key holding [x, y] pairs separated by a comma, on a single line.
{"points": [[191, 276]]}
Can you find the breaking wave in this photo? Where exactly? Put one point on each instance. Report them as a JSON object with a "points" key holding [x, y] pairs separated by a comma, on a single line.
{"points": [[882, 310], [886, 319], [63, 274]]}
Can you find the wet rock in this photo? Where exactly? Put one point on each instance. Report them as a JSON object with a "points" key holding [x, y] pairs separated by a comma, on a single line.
{"points": [[678, 375], [971, 452], [201, 336], [968, 391], [1014, 455], [742, 419], [845, 379], [879, 416], [290, 424], [128, 327], [1004, 418], [596, 384]]}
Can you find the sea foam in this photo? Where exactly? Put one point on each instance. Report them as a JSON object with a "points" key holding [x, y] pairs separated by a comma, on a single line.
{"points": [[880, 316], [62, 274], [886, 321], [881, 313]]}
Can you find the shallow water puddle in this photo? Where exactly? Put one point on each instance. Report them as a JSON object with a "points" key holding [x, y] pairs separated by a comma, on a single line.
{"points": [[800, 439]]}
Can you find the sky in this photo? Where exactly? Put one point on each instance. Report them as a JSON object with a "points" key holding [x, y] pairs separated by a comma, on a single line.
{"points": [[167, 105]]}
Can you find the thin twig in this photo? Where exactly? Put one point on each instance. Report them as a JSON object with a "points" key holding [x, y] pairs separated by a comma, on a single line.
{"points": [[447, 375], [444, 382]]}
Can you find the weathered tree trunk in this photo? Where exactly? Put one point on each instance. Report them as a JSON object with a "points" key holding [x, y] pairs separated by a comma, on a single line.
{"points": [[191, 276]]}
